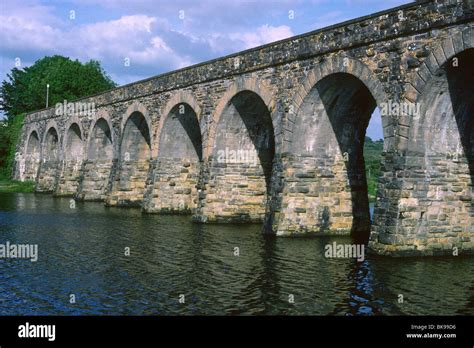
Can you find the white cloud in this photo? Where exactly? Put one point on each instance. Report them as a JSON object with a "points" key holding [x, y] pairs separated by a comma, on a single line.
{"points": [[136, 37], [149, 33], [263, 35], [150, 42], [237, 41]]}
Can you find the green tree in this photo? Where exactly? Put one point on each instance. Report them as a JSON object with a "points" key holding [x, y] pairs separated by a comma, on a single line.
{"points": [[9, 134], [24, 91]]}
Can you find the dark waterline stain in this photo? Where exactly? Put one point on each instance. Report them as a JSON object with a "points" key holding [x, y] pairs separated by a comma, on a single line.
{"points": [[81, 252]]}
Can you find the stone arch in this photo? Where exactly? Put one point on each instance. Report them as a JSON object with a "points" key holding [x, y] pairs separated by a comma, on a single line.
{"points": [[128, 186], [51, 143], [100, 130], [190, 103], [72, 157], [32, 129], [439, 56], [136, 138], [134, 109], [251, 84], [74, 141], [240, 152], [98, 159], [325, 188], [436, 210], [179, 155], [333, 66], [50, 157], [32, 154]]}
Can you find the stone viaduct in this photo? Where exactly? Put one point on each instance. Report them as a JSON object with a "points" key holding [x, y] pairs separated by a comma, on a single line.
{"points": [[275, 135]]}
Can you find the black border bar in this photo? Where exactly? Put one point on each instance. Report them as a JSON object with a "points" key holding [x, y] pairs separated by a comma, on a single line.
{"points": [[345, 330]]}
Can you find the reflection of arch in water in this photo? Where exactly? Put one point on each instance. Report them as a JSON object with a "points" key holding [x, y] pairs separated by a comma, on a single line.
{"points": [[428, 286]]}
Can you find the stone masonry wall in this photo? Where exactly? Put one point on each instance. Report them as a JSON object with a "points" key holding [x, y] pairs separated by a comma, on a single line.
{"points": [[68, 178], [235, 192], [175, 187], [94, 179]]}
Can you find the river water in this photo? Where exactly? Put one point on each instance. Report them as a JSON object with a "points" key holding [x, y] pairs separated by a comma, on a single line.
{"points": [[81, 251]]}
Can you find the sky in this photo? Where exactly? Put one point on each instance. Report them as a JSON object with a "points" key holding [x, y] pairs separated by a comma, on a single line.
{"points": [[137, 39]]}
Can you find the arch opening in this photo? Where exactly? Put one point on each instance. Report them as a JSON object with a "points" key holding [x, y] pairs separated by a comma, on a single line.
{"points": [[74, 145], [135, 144], [326, 190], [47, 178], [73, 156], [33, 154], [52, 145], [100, 142], [98, 164], [181, 135], [241, 163], [179, 163], [135, 151], [442, 144]]}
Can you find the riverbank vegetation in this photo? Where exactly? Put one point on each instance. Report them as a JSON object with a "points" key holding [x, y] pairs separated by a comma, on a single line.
{"points": [[8, 186], [373, 156]]}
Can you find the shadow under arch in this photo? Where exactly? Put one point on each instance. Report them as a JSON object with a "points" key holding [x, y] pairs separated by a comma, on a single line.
{"points": [[135, 140], [461, 91], [181, 134], [51, 145], [48, 170], [71, 163], [131, 174], [179, 163], [442, 140], [97, 165], [240, 161], [74, 146], [328, 137], [247, 107], [33, 154], [100, 142]]}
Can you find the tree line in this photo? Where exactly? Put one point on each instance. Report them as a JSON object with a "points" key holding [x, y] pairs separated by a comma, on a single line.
{"points": [[25, 90]]}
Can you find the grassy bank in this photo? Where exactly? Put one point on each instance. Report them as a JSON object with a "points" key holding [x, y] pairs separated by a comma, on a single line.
{"points": [[373, 155], [8, 186]]}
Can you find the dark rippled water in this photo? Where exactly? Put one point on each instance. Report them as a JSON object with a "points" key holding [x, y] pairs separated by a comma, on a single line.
{"points": [[81, 252]]}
